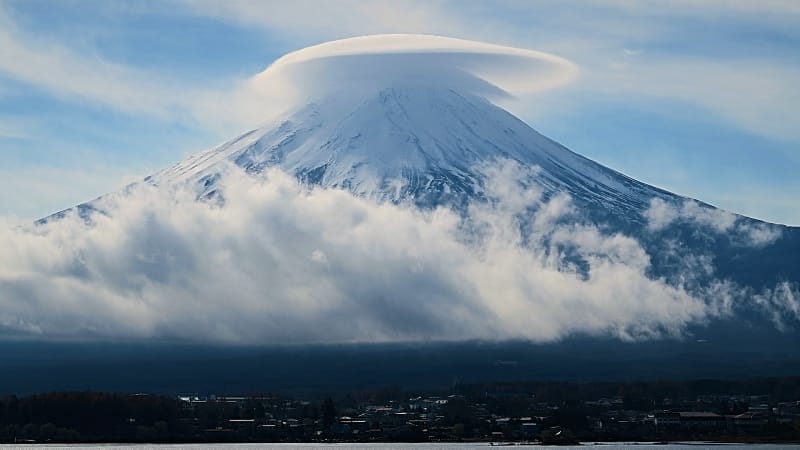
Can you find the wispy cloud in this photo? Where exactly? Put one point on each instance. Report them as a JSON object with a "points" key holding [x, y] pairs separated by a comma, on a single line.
{"points": [[714, 8], [339, 19], [71, 74], [86, 77], [17, 128], [742, 231], [756, 95]]}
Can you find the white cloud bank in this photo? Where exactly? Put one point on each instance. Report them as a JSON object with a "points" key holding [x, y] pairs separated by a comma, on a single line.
{"points": [[278, 263]]}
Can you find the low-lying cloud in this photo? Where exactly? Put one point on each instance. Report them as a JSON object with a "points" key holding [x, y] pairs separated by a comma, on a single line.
{"points": [[277, 262], [746, 232]]}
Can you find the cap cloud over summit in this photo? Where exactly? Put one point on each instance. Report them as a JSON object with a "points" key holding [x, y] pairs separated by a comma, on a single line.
{"points": [[363, 65]]}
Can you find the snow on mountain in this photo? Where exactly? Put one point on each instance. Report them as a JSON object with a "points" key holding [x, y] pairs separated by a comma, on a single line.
{"points": [[415, 143]]}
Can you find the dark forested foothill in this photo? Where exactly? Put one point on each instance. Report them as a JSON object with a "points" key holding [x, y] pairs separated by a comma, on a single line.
{"points": [[88, 416], [752, 410]]}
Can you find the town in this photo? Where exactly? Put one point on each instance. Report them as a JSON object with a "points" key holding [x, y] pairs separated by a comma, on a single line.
{"points": [[764, 410]]}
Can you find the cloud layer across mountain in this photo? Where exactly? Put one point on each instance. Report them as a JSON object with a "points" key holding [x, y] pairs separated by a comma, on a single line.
{"points": [[277, 262]]}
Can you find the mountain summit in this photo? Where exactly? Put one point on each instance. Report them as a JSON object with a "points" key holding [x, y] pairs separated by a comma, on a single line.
{"points": [[403, 117]]}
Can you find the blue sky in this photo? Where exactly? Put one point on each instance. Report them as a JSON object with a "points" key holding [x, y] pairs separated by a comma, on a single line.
{"points": [[700, 98]]}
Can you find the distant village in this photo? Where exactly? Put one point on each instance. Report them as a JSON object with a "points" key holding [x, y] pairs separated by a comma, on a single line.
{"points": [[457, 417], [765, 410]]}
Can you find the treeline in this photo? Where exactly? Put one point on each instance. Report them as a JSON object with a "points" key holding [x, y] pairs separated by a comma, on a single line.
{"points": [[776, 390], [88, 417]]}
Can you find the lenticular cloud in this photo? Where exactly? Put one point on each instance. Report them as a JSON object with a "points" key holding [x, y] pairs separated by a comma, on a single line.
{"points": [[277, 262], [362, 64]]}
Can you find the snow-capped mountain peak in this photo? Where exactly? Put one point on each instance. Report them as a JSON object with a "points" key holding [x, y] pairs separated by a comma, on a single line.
{"points": [[409, 142]]}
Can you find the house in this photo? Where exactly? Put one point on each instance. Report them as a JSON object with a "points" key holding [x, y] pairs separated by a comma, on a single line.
{"points": [[701, 421], [665, 420]]}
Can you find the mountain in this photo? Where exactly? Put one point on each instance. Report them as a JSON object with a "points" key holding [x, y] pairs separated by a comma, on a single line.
{"points": [[370, 124], [381, 130]]}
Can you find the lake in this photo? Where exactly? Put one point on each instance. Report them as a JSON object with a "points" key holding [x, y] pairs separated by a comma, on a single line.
{"points": [[422, 446]]}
